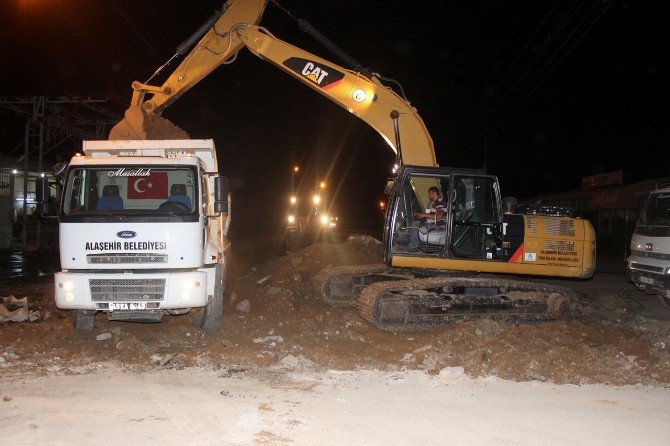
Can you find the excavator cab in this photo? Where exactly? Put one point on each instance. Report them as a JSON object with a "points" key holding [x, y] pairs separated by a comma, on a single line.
{"points": [[471, 228]]}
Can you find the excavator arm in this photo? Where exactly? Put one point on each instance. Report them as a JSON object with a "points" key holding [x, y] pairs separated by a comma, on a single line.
{"points": [[365, 96]]}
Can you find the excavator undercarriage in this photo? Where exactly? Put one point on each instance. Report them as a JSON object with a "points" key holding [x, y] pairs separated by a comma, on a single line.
{"points": [[403, 299]]}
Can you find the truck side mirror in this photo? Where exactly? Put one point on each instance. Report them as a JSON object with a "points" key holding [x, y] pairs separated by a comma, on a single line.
{"points": [[42, 195], [220, 194]]}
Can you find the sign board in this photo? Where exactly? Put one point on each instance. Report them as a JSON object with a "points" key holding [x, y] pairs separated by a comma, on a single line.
{"points": [[602, 180]]}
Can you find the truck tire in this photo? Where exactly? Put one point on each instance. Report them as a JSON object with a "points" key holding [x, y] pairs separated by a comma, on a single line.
{"points": [[208, 318], [84, 320]]}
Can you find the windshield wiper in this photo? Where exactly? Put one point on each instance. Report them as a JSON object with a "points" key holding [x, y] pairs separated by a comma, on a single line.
{"points": [[172, 214], [98, 217]]}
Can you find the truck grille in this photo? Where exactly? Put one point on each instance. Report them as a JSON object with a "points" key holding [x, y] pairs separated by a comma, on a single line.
{"points": [[119, 290], [650, 255], [643, 267], [115, 259]]}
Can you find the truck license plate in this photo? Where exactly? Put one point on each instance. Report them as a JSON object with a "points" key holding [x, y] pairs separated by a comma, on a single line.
{"points": [[127, 306], [647, 280]]}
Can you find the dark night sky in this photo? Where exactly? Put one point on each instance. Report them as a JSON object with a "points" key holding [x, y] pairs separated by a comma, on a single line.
{"points": [[557, 89]]}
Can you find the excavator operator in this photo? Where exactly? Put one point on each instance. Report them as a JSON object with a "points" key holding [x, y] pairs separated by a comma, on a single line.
{"points": [[433, 219]]}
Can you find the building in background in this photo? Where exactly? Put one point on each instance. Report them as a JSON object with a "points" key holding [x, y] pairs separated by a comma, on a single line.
{"points": [[612, 206]]}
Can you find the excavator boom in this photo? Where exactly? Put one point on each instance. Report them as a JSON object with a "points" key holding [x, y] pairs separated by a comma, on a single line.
{"points": [[365, 97]]}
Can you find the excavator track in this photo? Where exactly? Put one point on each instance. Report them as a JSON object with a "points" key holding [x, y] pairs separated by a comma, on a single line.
{"points": [[421, 304], [341, 285]]}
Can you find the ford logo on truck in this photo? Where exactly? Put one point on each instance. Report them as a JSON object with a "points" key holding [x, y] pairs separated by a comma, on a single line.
{"points": [[126, 234]]}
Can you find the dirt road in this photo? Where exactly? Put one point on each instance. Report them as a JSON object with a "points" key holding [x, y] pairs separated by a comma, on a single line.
{"points": [[298, 403], [272, 317]]}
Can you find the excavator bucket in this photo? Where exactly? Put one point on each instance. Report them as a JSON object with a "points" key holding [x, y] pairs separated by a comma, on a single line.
{"points": [[131, 126]]}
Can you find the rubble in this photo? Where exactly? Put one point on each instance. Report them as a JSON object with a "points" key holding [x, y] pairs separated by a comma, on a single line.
{"points": [[17, 310], [244, 306], [292, 329]]}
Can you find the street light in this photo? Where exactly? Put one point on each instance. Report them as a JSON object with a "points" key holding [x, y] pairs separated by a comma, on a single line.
{"points": [[322, 185], [296, 169]]}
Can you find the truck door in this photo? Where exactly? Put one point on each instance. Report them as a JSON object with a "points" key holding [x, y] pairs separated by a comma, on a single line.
{"points": [[476, 218]]}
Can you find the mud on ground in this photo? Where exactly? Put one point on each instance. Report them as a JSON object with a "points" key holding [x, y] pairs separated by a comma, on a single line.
{"points": [[271, 314]]}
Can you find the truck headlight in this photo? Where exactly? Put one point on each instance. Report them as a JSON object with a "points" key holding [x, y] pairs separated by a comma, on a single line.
{"points": [[188, 285], [67, 286]]}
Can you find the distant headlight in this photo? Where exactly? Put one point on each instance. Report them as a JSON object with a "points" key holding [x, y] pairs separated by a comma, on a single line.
{"points": [[316, 199], [324, 220], [294, 200], [291, 218]]}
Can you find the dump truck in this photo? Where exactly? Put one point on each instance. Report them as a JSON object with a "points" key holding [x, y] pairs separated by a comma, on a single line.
{"points": [[143, 232]]}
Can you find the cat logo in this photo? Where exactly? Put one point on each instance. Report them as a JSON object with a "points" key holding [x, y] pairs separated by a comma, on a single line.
{"points": [[321, 75], [314, 73]]}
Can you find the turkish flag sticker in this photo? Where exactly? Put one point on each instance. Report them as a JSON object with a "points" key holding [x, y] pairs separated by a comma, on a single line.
{"points": [[152, 186]]}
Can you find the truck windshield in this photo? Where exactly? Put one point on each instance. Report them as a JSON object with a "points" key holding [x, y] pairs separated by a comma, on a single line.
{"points": [[130, 190], [656, 210]]}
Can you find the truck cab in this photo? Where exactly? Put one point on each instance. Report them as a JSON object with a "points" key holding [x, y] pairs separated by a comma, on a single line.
{"points": [[648, 265], [143, 229]]}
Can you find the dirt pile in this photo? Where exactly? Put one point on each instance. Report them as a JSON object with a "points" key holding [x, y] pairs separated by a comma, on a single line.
{"points": [[136, 124], [157, 127], [271, 315], [287, 280]]}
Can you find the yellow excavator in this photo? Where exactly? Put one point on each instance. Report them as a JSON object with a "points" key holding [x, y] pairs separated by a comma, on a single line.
{"points": [[454, 266]]}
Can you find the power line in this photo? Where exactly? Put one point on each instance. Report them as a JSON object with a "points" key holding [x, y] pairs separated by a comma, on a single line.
{"points": [[518, 57], [137, 31], [548, 42], [523, 97]]}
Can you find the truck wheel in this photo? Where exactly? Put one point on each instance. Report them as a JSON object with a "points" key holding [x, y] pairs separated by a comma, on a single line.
{"points": [[208, 318], [84, 320]]}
